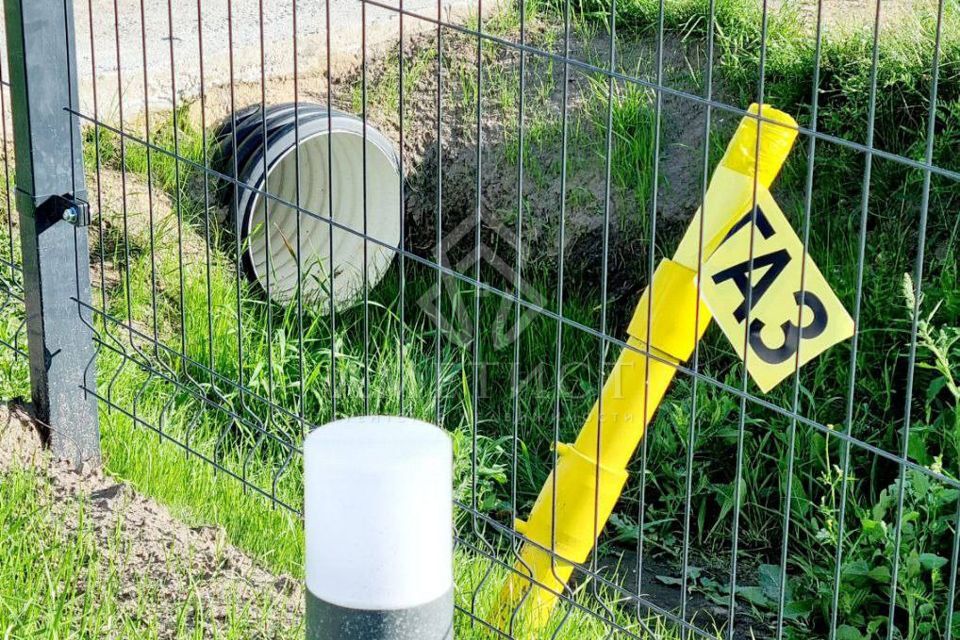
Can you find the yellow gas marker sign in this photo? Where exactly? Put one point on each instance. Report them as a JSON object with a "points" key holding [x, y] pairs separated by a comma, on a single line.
{"points": [[793, 311], [737, 256]]}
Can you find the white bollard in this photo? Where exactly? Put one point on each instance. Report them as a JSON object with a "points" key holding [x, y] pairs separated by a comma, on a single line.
{"points": [[378, 512]]}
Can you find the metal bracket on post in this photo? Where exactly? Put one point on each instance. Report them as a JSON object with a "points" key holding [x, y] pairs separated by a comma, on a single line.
{"points": [[50, 199], [75, 211]]}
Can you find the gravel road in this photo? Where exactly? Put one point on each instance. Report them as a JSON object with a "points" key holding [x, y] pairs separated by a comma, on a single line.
{"points": [[124, 51]]}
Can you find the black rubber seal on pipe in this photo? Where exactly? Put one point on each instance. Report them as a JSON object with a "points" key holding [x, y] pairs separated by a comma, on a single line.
{"points": [[430, 621]]}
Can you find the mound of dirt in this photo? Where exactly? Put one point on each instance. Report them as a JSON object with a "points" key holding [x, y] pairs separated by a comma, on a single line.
{"points": [[441, 160], [20, 442], [137, 213], [446, 173], [179, 562]]}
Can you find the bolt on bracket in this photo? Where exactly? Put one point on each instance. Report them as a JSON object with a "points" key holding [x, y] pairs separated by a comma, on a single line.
{"points": [[73, 210]]}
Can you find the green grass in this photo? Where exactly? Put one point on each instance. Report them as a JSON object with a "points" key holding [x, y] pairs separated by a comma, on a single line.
{"points": [[83, 584], [270, 366], [143, 404], [58, 581], [903, 81]]}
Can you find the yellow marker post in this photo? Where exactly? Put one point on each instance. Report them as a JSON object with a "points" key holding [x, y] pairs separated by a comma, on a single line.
{"points": [[590, 473]]}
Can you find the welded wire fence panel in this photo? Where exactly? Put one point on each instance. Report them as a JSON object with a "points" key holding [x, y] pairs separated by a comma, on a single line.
{"points": [[13, 338], [552, 155]]}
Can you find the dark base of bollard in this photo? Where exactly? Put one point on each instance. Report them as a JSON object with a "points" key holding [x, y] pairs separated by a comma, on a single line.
{"points": [[431, 621]]}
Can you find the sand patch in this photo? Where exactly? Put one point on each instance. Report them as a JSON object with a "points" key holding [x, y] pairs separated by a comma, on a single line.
{"points": [[161, 555]]}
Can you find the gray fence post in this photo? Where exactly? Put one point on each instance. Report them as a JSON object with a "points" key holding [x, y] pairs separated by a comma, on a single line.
{"points": [[50, 198]]}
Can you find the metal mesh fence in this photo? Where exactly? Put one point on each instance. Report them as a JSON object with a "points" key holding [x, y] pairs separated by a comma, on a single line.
{"points": [[13, 336], [552, 154]]}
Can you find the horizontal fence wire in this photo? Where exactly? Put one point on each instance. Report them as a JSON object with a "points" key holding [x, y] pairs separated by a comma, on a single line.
{"points": [[218, 368]]}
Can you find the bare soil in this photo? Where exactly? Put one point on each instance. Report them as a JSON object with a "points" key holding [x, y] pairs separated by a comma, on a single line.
{"points": [[180, 562], [467, 167], [843, 16], [139, 214], [495, 195], [451, 184], [660, 584]]}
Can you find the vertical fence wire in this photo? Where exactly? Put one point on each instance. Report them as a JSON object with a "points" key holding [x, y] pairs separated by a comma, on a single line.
{"points": [[861, 262], [807, 215]]}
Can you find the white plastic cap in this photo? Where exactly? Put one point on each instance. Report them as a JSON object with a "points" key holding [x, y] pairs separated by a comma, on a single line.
{"points": [[378, 511]]}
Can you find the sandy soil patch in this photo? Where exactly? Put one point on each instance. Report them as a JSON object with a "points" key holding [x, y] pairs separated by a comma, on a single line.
{"points": [[178, 561], [843, 16]]}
